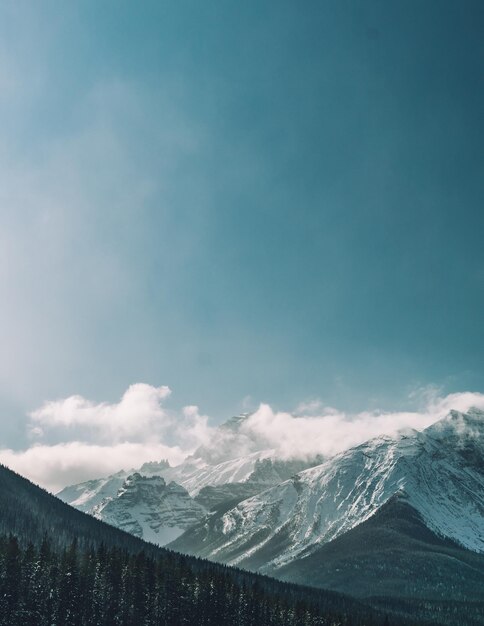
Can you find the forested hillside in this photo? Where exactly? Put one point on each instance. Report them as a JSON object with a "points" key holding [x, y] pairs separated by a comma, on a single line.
{"points": [[61, 567], [29, 512], [42, 586]]}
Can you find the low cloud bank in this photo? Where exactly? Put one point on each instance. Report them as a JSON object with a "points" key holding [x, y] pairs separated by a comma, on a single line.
{"points": [[100, 439], [58, 465], [332, 431]]}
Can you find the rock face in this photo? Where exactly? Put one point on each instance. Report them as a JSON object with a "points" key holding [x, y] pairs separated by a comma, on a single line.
{"points": [[438, 472], [147, 507]]}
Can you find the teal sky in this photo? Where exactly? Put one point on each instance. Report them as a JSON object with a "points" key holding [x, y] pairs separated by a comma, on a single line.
{"points": [[246, 201]]}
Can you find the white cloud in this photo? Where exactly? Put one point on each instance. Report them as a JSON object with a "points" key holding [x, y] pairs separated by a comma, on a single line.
{"points": [[463, 401], [102, 438], [331, 431], [137, 413], [55, 466], [194, 430]]}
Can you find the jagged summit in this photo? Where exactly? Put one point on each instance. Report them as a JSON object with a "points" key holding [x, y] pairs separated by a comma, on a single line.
{"points": [[235, 422], [463, 435], [459, 424], [477, 414], [154, 467], [149, 508]]}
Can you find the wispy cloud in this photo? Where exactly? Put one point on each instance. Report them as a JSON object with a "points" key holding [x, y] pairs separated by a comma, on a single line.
{"points": [[76, 226]]}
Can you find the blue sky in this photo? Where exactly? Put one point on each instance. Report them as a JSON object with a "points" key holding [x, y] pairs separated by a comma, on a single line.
{"points": [[257, 201]]}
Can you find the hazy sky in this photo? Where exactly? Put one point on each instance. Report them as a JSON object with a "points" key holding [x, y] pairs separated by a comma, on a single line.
{"points": [[245, 201]]}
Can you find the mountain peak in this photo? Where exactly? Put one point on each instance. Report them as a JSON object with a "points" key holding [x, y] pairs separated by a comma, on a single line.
{"points": [[153, 467], [149, 508], [459, 425], [235, 422], [439, 472]]}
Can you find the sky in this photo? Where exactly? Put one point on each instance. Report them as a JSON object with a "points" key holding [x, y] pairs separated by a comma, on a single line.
{"points": [[257, 202]]}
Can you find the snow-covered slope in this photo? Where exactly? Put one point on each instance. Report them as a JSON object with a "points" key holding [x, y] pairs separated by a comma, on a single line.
{"points": [[195, 473], [150, 509], [439, 471], [87, 495]]}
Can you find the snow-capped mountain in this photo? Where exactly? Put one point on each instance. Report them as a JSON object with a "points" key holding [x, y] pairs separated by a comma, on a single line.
{"points": [[211, 476], [89, 494], [149, 508], [193, 474], [196, 473], [204, 487], [232, 457], [439, 473]]}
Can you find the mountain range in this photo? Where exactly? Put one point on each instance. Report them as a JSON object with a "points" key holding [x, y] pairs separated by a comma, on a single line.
{"points": [[438, 472], [158, 503], [59, 565], [396, 517]]}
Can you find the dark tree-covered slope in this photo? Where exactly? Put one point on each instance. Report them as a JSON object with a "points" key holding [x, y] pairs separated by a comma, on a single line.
{"points": [[42, 586], [60, 566], [29, 512]]}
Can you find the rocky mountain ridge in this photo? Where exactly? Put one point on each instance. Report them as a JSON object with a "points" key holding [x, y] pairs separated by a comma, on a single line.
{"points": [[151, 509], [157, 502], [439, 472]]}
